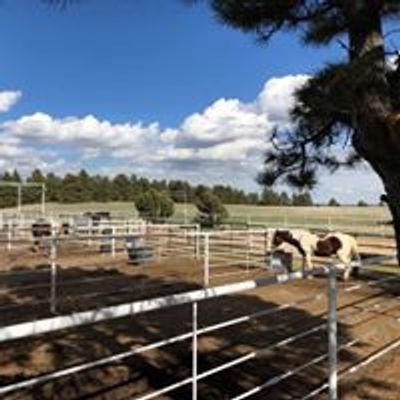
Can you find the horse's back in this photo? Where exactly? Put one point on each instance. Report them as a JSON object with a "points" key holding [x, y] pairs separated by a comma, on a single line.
{"points": [[349, 242]]}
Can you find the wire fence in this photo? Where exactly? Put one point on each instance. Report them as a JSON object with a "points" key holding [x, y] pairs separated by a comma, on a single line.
{"points": [[334, 344], [220, 254]]}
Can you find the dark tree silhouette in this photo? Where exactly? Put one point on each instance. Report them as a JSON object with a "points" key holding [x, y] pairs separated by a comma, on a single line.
{"points": [[333, 203], [354, 102]]}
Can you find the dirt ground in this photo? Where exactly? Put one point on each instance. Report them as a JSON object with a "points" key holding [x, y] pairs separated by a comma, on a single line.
{"points": [[88, 280]]}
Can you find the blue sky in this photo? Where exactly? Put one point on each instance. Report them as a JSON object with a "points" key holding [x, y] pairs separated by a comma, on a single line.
{"points": [[150, 87]]}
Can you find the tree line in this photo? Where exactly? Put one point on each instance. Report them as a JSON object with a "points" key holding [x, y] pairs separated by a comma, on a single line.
{"points": [[84, 187]]}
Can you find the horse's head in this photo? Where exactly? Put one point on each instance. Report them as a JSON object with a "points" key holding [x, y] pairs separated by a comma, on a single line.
{"points": [[281, 236]]}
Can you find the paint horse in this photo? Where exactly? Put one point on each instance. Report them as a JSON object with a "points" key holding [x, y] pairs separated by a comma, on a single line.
{"points": [[341, 245]]}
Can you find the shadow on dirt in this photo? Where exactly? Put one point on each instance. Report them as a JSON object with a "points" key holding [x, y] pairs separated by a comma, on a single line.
{"points": [[134, 376]]}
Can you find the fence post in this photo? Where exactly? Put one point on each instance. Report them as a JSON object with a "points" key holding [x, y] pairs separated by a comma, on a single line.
{"points": [[330, 224], [382, 227], [268, 247], [249, 222], [113, 231], [197, 244], [250, 252], [206, 259], [247, 252], [9, 236], [53, 273], [194, 350], [332, 332], [90, 232]]}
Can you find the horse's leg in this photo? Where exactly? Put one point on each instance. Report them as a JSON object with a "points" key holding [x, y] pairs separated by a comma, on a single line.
{"points": [[307, 263], [303, 264], [345, 258], [356, 255]]}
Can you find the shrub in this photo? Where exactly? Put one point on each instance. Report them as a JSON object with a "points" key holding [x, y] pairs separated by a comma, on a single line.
{"points": [[333, 203], [211, 210], [154, 206]]}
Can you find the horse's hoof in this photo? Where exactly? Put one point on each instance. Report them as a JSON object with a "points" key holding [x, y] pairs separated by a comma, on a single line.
{"points": [[346, 275]]}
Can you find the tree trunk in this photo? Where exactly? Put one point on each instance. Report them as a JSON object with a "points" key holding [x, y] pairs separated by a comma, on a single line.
{"points": [[376, 127], [392, 187]]}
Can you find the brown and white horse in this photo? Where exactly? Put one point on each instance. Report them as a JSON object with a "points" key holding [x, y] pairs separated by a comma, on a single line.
{"points": [[338, 244]]}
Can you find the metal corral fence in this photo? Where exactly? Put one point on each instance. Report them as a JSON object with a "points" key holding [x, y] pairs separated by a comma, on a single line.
{"points": [[15, 233], [334, 342], [355, 225], [46, 326], [221, 255], [164, 241], [234, 252], [173, 239]]}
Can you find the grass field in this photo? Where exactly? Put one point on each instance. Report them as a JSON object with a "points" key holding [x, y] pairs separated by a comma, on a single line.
{"points": [[366, 219]]}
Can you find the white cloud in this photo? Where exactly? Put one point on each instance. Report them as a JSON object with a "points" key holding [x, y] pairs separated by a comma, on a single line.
{"points": [[9, 99], [223, 143], [224, 120], [230, 130], [227, 130], [87, 135], [276, 99], [10, 148], [15, 155]]}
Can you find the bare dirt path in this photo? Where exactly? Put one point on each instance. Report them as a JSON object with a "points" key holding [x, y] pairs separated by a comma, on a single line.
{"points": [[90, 280]]}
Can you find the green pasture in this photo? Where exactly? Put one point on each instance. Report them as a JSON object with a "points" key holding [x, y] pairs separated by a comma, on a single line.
{"points": [[366, 219]]}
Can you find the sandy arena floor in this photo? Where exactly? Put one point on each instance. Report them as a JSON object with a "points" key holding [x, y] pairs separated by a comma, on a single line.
{"points": [[88, 280]]}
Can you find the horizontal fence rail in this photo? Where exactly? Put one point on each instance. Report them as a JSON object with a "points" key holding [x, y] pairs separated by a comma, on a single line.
{"points": [[53, 324], [221, 254]]}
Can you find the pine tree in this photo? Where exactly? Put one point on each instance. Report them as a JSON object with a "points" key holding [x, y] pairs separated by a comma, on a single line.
{"points": [[352, 102], [8, 194], [211, 209], [121, 188], [333, 202]]}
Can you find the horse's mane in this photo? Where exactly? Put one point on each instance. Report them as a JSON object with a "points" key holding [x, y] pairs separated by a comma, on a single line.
{"points": [[288, 237]]}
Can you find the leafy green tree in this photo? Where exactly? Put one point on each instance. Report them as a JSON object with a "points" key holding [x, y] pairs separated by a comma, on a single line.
{"points": [[15, 176], [253, 198], [212, 212], [302, 199], [284, 199], [121, 188], [333, 203], [362, 203], [270, 198], [53, 186], [75, 189], [83, 187], [101, 188], [180, 191], [154, 206], [354, 101], [8, 194], [33, 194]]}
